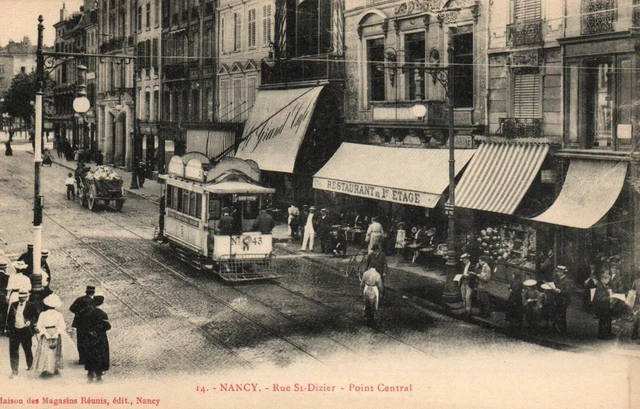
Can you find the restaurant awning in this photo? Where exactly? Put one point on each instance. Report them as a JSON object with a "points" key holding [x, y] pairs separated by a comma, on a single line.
{"points": [[589, 191], [401, 175], [499, 176], [276, 127]]}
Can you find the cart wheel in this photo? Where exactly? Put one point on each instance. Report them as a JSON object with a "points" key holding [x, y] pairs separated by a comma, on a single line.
{"points": [[91, 201], [119, 204]]}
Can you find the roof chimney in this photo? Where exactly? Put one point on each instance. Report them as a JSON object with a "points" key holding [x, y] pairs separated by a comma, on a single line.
{"points": [[63, 12]]}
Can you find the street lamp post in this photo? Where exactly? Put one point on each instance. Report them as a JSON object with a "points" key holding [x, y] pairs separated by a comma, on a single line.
{"points": [[451, 294]]}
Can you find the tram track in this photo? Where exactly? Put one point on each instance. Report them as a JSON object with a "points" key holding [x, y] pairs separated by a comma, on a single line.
{"points": [[143, 251]]}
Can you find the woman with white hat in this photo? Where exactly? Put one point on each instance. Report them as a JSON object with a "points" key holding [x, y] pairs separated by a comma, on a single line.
{"points": [[50, 327]]}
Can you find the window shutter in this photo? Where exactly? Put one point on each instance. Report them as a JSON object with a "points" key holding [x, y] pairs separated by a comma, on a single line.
{"points": [[527, 10], [526, 96]]}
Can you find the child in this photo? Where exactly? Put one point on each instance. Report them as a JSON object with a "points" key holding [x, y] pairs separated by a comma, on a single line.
{"points": [[71, 191]]}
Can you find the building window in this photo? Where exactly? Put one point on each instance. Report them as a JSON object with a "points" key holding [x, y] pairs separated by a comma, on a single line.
{"points": [[156, 105], [223, 39], [526, 27], [266, 24], [251, 28], [140, 18], [251, 92], [195, 105], [237, 31], [148, 15], [147, 105], [462, 59], [156, 12], [223, 108], [414, 49], [206, 42], [526, 96], [600, 100], [23, 70], [375, 70], [155, 56], [209, 102], [238, 103], [598, 16]]}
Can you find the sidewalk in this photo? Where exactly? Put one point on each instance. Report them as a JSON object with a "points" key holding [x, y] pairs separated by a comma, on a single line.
{"points": [[424, 286]]}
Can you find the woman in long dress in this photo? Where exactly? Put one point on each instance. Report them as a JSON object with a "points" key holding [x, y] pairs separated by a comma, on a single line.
{"points": [[96, 324], [50, 327]]}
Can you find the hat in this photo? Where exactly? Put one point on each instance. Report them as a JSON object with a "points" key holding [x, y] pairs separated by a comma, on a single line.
{"points": [[91, 289], [3, 265], [323, 210], [52, 301], [23, 294], [30, 246], [561, 268], [20, 265], [465, 255], [98, 300], [431, 232], [530, 283], [312, 208], [225, 210], [45, 253], [546, 286]]}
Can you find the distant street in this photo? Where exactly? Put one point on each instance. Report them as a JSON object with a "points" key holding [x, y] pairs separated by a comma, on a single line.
{"points": [[169, 319]]}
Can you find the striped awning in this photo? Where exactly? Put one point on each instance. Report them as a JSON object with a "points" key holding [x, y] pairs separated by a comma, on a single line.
{"points": [[499, 175], [590, 189]]}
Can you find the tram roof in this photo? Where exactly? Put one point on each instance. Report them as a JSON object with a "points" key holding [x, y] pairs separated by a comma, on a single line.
{"points": [[237, 187]]}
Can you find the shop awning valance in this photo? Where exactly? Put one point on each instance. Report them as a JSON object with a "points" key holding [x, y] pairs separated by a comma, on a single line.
{"points": [[589, 191], [415, 177], [276, 127], [499, 175]]}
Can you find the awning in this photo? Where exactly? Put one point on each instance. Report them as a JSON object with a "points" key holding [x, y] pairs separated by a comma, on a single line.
{"points": [[589, 191], [276, 127], [401, 175], [499, 176], [238, 187]]}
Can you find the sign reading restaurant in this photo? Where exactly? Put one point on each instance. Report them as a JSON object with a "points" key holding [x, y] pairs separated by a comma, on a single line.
{"points": [[374, 192]]}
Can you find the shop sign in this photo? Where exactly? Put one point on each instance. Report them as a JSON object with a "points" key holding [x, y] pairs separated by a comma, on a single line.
{"points": [[374, 192], [246, 198], [463, 141]]}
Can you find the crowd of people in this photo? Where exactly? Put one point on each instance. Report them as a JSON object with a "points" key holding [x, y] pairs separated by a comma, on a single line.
{"points": [[30, 309]]}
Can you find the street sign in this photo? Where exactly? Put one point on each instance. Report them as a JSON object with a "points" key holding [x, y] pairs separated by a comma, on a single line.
{"points": [[448, 209]]}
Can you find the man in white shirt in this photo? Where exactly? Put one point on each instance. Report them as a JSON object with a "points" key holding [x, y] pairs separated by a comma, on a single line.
{"points": [[309, 231], [18, 282]]}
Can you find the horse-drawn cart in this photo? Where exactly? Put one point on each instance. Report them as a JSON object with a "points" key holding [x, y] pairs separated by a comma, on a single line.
{"points": [[102, 186]]}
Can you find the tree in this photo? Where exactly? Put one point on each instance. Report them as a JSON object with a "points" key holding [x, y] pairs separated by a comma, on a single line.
{"points": [[20, 95]]}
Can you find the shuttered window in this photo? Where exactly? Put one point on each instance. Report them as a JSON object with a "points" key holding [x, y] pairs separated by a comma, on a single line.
{"points": [[526, 96], [526, 10]]}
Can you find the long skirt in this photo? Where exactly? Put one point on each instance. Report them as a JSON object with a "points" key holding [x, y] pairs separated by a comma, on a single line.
{"points": [[49, 354], [371, 298], [375, 238]]}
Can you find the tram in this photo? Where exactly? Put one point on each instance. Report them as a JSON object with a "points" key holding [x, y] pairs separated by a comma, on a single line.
{"points": [[196, 195]]}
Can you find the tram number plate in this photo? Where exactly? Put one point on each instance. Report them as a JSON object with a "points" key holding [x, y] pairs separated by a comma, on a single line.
{"points": [[246, 198]]}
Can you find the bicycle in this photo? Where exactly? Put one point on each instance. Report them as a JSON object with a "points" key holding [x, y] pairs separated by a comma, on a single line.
{"points": [[357, 264]]}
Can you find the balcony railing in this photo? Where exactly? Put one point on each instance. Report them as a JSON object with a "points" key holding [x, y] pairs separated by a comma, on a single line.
{"points": [[400, 112], [113, 44], [598, 16], [521, 127], [524, 33], [176, 71], [321, 67]]}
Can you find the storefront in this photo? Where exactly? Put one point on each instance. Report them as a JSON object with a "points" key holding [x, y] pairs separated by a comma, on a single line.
{"points": [[392, 183], [592, 217], [291, 133], [502, 185]]}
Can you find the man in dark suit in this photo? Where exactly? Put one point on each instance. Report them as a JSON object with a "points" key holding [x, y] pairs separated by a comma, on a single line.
{"points": [[27, 258], [21, 321], [302, 220], [563, 300], [80, 307], [264, 223], [225, 225], [378, 260], [324, 230]]}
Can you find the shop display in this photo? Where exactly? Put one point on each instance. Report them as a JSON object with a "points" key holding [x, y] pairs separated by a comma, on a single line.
{"points": [[511, 244]]}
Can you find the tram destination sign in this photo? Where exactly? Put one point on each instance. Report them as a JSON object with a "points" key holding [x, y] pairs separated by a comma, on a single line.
{"points": [[396, 195]]}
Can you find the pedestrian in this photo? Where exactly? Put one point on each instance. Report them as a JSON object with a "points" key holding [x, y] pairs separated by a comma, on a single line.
{"points": [[17, 282], [309, 230], [302, 221], [515, 309], [324, 230], [548, 306], [616, 284], [375, 233], [590, 285], [70, 184], [162, 208], [80, 307], [484, 277], [377, 260], [27, 258], [21, 320], [99, 158], [292, 221], [264, 223], [97, 324], [468, 282], [602, 307], [46, 158], [44, 268], [50, 326], [563, 298], [7, 148], [141, 173], [4, 280], [530, 302], [371, 287], [634, 301]]}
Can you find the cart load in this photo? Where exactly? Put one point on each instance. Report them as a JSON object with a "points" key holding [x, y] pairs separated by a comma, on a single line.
{"points": [[102, 186]]}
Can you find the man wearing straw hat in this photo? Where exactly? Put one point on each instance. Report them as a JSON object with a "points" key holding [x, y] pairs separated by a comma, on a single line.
{"points": [[563, 298], [80, 307], [18, 282], [21, 320]]}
